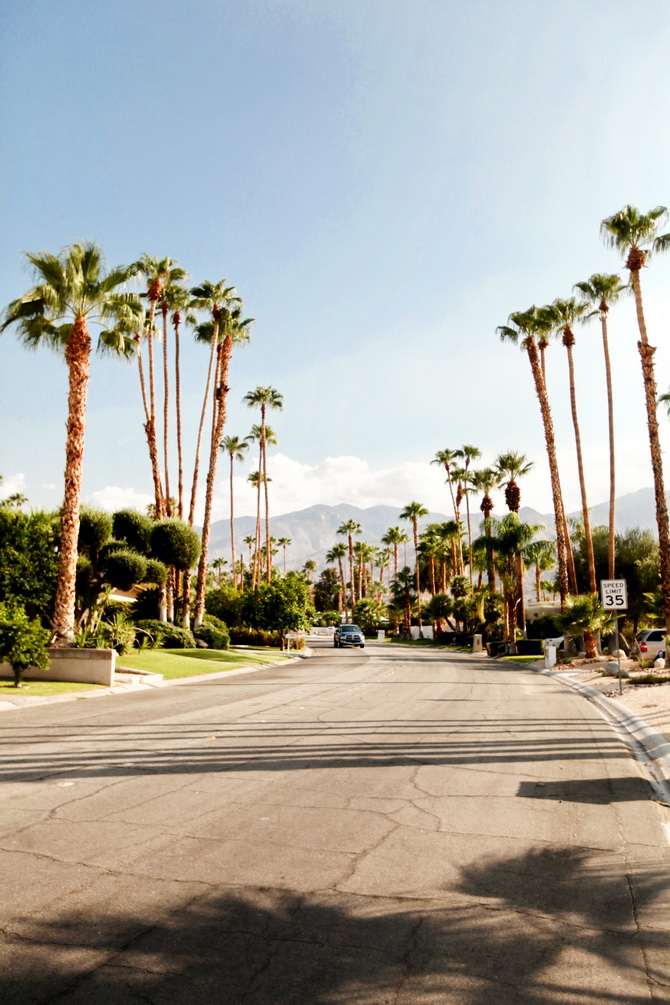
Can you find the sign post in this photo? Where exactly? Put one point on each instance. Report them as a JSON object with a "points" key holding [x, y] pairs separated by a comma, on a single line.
{"points": [[615, 598]]}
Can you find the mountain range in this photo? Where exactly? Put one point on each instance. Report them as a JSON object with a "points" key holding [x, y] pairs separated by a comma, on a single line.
{"points": [[313, 531]]}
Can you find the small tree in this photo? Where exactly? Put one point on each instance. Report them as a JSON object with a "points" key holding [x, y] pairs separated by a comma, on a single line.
{"points": [[585, 615], [22, 642]]}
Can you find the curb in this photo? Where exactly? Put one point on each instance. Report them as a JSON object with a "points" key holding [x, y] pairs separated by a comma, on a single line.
{"points": [[650, 748]]}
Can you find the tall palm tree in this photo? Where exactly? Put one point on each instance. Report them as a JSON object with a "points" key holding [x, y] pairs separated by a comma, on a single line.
{"points": [[178, 300], [447, 460], [284, 543], [541, 554], [143, 328], [349, 528], [469, 454], [257, 435], [265, 397], [235, 331], [413, 511], [208, 297], [394, 537], [510, 466], [158, 273], [72, 290], [236, 449], [486, 480], [629, 231], [522, 330], [336, 554], [601, 291], [173, 278], [562, 315]]}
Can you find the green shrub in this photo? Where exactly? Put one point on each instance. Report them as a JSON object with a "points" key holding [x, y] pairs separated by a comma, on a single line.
{"points": [[212, 636], [175, 637], [22, 642], [151, 633], [124, 568], [173, 542], [134, 528], [255, 637]]}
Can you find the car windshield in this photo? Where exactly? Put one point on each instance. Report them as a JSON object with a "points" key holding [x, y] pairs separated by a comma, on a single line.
{"points": [[349, 628]]}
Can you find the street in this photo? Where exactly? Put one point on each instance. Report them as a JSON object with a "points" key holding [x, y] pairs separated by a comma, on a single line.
{"points": [[366, 827]]}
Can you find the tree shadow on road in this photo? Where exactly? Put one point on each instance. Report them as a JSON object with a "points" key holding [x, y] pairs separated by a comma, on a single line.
{"points": [[553, 926]]}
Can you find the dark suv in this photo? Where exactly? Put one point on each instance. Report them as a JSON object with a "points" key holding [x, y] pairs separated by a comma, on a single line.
{"points": [[348, 635]]}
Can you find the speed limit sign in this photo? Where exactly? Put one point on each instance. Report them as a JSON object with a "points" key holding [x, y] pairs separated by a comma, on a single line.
{"points": [[614, 595]]}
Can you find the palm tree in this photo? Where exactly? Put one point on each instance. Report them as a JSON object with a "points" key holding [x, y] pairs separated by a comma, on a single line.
{"points": [[562, 315], [210, 297], [178, 301], [541, 554], [485, 481], [145, 327], [584, 615], [256, 435], [511, 466], [284, 543], [446, 459], [350, 527], [522, 328], [235, 331], [394, 537], [469, 454], [236, 449], [72, 290], [159, 273], [602, 290], [510, 536], [336, 554], [412, 512], [627, 231], [266, 397]]}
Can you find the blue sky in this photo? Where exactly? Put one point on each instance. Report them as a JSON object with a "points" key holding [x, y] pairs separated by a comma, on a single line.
{"points": [[383, 183]]}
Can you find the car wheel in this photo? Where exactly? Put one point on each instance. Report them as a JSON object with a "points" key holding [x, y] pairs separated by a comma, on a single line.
{"points": [[362, 645]]}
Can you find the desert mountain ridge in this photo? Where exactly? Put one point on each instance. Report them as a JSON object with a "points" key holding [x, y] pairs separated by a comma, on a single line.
{"points": [[313, 531]]}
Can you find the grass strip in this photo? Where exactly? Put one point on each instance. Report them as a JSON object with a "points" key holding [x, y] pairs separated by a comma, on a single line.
{"points": [[173, 663], [41, 688]]}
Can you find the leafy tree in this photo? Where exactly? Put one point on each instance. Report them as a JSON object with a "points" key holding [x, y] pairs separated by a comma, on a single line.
{"points": [[29, 561], [225, 603], [283, 604], [367, 613], [72, 289], [22, 642], [584, 615], [327, 590], [134, 528]]}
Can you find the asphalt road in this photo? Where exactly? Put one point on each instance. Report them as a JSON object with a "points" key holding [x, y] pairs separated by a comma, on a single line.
{"points": [[363, 828]]}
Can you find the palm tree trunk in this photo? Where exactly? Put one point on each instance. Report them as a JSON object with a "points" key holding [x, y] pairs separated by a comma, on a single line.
{"points": [[196, 467], [220, 394], [78, 354], [232, 521], [580, 465], [647, 359], [268, 543], [177, 394], [467, 507], [149, 427], [166, 412], [611, 540], [415, 528], [351, 574], [559, 514]]}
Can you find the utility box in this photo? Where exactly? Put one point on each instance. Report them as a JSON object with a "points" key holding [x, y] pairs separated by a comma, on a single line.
{"points": [[381, 635], [549, 657], [477, 646]]}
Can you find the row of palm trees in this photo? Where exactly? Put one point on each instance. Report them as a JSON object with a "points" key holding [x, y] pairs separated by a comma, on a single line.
{"points": [[635, 236], [72, 290]]}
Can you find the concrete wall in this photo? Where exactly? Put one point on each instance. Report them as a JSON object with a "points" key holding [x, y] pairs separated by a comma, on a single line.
{"points": [[80, 666]]}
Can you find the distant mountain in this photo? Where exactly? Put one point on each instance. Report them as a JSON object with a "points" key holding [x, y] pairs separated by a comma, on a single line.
{"points": [[313, 531]]}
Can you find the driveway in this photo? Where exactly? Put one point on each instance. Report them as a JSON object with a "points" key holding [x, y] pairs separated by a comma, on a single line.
{"points": [[365, 827]]}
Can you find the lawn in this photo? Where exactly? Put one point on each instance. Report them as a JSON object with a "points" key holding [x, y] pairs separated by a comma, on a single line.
{"points": [[194, 662], [41, 688]]}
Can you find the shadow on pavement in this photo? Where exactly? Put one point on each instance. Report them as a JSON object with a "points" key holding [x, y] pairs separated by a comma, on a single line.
{"points": [[550, 927]]}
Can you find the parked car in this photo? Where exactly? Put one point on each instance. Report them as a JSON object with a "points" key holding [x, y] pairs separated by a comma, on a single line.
{"points": [[348, 635], [650, 642]]}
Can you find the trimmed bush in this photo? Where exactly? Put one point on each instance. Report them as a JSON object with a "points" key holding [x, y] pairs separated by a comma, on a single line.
{"points": [[177, 638], [124, 568], [215, 638], [134, 528], [254, 637], [175, 543]]}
